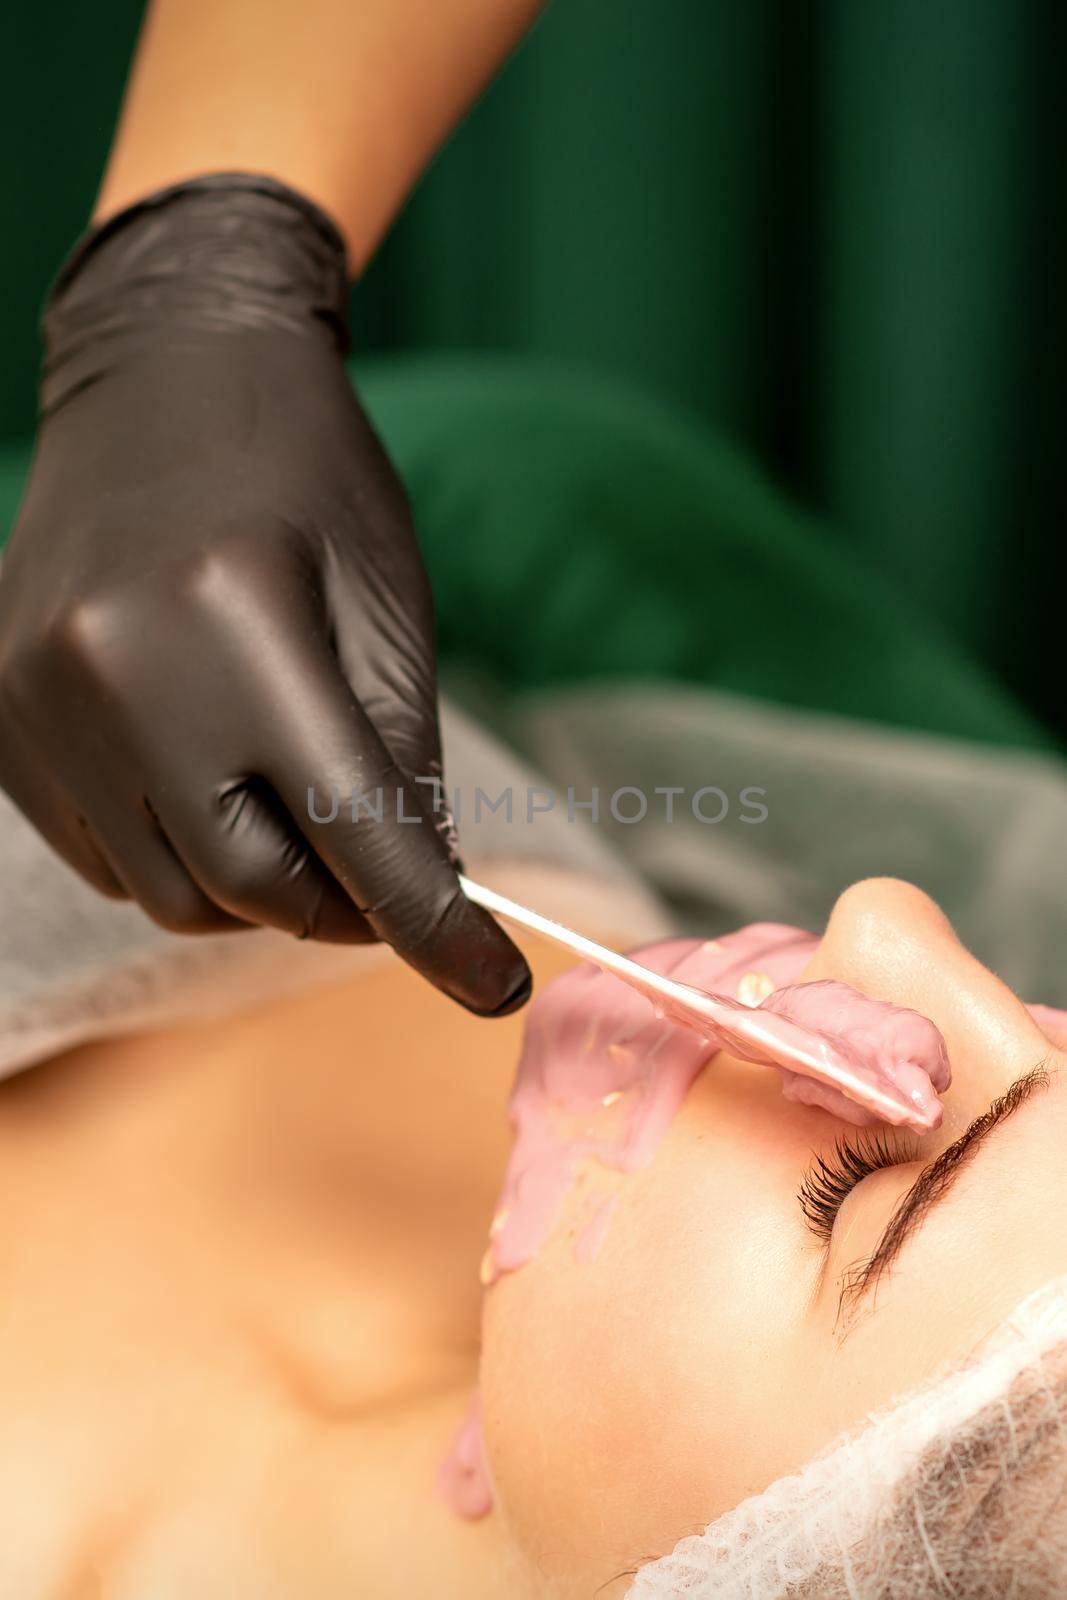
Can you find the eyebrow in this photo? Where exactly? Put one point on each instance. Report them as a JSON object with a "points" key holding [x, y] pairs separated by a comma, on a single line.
{"points": [[931, 1187]]}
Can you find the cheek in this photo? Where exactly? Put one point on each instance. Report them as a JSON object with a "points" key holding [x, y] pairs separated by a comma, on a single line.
{"points": [[629, 1399]]}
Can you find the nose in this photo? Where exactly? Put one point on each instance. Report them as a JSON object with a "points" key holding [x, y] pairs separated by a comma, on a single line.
{"points": [[890, 940]]}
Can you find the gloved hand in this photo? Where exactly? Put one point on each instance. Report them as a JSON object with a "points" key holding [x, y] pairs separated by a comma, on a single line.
{"points": [[214, 619]]}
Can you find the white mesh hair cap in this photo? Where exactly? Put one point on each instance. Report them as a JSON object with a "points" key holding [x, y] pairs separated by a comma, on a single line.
{"points": [[957, 1490]]}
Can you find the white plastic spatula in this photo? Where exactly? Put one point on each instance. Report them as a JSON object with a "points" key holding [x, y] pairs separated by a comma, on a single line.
{"points": [[747, 1032]]}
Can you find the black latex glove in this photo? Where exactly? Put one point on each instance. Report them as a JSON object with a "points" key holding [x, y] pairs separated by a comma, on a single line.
{"points": [[213, 600]]}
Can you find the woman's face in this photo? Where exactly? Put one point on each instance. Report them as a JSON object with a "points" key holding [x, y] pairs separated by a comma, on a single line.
{"points": [[718, 1339]]}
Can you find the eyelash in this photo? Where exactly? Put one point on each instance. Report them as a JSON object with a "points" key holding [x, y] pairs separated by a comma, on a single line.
{"points": [[831, 1179]]}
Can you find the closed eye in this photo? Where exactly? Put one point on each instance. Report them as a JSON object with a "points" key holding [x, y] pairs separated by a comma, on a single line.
{"points": [[934, 1183], [831, 1179]]}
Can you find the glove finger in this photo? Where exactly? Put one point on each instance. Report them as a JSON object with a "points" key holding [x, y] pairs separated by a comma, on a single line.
{"points": [[143, 859], [246, 854], [395, 682], [365, 820]]}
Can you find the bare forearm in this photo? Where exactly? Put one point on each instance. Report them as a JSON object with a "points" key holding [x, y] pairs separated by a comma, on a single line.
{"points": [[346, 100]]}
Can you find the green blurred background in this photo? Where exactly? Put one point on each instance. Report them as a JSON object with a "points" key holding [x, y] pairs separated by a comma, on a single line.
{"points": [[830, 233]]}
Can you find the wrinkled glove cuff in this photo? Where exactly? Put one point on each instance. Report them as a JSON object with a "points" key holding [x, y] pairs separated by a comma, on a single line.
{"points": [[224, 253]]}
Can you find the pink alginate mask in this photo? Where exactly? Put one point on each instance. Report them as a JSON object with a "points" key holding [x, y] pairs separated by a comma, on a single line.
{"points": [[604, 1067], [603, 1071]]}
